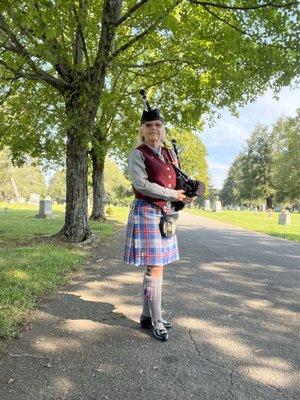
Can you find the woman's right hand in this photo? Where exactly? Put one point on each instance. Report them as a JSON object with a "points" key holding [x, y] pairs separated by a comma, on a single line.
{"points": [[180, 195]]}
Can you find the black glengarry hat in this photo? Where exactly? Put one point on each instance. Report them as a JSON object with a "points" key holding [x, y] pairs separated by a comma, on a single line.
{"points": [[149, 114]]}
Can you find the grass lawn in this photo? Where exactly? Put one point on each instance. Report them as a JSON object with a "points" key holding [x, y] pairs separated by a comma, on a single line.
{"points": [[256, 221], [30, 265]]}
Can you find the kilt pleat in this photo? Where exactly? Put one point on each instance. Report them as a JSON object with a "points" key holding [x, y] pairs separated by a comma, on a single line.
{"points": [[144, 243]]}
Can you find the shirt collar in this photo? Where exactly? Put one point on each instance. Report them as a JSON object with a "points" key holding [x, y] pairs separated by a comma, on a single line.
{"points": [[156, 151]]}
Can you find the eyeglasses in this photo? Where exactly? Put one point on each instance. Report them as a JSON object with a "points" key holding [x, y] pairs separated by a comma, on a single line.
{"points": [[156, 124]]}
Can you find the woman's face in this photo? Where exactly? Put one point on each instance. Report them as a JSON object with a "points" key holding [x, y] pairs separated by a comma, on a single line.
{"points": [[153, 132]]}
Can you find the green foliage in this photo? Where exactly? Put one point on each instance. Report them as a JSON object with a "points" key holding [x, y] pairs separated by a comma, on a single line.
{"points": [[117, 187], [231, 191], [269, 166], [258, 166], [57, 187], [286, 136], [28, 179], [194, 59], [32, 122], [192, 153]]}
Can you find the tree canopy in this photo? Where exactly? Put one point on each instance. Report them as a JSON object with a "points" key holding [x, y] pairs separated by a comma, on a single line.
{"points": [[69, 67]]}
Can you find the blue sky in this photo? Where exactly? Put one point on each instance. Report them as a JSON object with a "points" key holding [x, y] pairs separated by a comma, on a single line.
{"points": [[229, 134]]}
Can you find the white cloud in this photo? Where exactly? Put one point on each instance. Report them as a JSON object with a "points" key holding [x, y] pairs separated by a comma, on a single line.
{"points": [[217, 179], [228, 131], [218, 172], [217, 166]]}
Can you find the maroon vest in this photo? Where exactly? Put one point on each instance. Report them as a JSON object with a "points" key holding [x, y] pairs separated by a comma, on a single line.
{"points": [[158, 172]]}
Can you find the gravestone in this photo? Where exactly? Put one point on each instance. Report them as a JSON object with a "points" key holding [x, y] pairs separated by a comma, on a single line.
{"points": [[34, 198], [277, 209], [22, 200], [217, 206], [45, 209], [206, 205], [262, 207], [284, 218]]}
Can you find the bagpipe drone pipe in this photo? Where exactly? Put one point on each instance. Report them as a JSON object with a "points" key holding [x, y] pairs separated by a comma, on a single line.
{"points": [[191, 187]]}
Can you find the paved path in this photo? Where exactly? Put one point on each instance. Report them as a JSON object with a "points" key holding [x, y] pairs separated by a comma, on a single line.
{"points": [[231, 297]]}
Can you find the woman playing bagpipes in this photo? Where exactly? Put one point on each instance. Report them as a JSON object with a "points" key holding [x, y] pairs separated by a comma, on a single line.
{"points": [[151, 240]]}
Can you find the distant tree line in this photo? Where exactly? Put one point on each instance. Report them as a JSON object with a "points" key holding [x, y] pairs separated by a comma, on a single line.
{"points": [[116, 187], [268, 169], [29, 178]]}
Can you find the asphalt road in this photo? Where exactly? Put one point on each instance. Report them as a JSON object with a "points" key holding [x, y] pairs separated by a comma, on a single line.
{"points": [[232, 300]]}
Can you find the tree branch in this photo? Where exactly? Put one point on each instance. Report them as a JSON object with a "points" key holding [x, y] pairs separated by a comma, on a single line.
{"points": [[242, 31], [19, 49], [80, 44], [244, 8], [144, 33], [130, 12], [225, 22], [111, 14], [6, 96], [18, 73]]}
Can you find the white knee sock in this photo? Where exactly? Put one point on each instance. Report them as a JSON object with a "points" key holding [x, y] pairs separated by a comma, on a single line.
{"points": [[146, 309], [153, 295]]}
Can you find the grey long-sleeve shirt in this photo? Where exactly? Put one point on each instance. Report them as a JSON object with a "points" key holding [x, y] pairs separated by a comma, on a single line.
{"points": [[139, 177]]}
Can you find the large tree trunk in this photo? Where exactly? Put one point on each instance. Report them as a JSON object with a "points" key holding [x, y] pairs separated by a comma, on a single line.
{"points": [[98, 161], [80, 120], [81, 108], [76, 226]]}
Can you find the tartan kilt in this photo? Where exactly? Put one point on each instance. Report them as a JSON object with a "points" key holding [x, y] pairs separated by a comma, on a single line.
{"points": [[144, 243]]}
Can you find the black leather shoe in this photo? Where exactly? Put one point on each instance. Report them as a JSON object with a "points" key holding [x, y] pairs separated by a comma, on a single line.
{"points": [[160, 332], [146, 322]]}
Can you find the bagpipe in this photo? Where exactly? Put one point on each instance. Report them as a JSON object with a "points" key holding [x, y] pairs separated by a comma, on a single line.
{"points": [[191, 187]]}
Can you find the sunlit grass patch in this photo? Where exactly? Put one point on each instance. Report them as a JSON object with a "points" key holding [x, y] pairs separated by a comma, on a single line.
{"points": [[31, 268], [256, 221], [119, 214], [28, 272]]}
